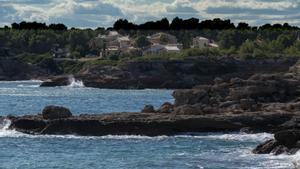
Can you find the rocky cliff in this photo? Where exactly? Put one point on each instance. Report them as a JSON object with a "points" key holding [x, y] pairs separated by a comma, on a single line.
{"points": [[15, 69], [172, 74]]}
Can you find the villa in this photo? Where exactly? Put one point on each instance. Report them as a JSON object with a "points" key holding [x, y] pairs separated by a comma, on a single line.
{"points": [[163, 42], [116, 43], [202, 42], [162, 38]]}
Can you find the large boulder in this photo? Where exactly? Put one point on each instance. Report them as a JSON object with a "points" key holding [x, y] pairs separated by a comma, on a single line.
{"points": [[286, 141], [266, 148], [288, 138], [166, 108], [191, 97], [56, 112], [148, 109]]}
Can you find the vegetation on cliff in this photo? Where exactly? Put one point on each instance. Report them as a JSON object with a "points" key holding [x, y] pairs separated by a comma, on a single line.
{"points": [[34, 42]]}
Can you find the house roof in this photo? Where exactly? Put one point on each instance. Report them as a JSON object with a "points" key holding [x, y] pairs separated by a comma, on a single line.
{"points": [[213, 45], [124, 38], [113, 33], [171, 48], [201, 38]]}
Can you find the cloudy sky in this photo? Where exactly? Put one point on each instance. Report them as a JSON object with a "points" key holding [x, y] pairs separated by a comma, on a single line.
{"points": [[96, 13]]}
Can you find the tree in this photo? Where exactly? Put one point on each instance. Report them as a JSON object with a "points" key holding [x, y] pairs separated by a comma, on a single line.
{"points": [[247, 47], [282, 42], [142, 42], [97, 44], [176, 24], [294, 49], [124, 24], [243, 26], [59, 27]]}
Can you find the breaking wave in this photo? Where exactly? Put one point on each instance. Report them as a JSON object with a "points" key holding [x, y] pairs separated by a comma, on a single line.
{"points": [[75, 83]]}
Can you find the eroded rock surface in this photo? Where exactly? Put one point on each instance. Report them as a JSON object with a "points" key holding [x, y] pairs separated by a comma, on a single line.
{"points": [[171, 74]]}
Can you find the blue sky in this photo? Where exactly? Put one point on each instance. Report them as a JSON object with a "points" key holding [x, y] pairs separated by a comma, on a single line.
{"points": [[103, 13]]}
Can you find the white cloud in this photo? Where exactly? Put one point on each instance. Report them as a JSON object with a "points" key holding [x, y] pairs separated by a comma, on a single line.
{"points": [[105, 12]]}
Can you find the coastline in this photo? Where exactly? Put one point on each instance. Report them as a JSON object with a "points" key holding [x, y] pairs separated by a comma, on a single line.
{"points": [[260, 103]]}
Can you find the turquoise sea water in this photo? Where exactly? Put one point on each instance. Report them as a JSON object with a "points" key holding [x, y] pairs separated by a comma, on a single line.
{"points": [[201, 150]]}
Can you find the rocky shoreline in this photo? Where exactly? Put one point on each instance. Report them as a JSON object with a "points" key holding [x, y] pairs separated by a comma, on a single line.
{"points": [[149, 124], [171, 74], [260, 103]]}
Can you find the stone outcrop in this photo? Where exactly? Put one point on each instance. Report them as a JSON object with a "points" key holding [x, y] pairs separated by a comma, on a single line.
{"points": [[149, 124], [55, 112], [166, 108], [148, 109], [261, 92], [171, 74], [286, 141], [15, 69]]}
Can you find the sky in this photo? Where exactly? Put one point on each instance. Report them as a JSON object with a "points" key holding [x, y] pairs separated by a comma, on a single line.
{"points": [[103, 13]]}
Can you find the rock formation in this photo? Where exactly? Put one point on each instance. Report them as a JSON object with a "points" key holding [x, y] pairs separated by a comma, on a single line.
{"points": [[172, 74], [260, 103], [55, 112]]}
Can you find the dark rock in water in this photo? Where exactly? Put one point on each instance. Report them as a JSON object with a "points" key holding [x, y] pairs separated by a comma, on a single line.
{"points": [[266, 148], [57, 81], [56, 112], [148, 109], [288, 138], [29, 124], [281, 149], [150, 124], [285, 142], [166, 108]]}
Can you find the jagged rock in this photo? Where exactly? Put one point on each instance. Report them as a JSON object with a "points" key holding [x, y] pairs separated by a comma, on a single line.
{"points": [[286, 141], [288, 138], [218, 80], [150, 124], [228, 104], [56, 112], [247, 104], [266, 148], [189, 110], [210, 110], [172, 74], [190, 97], [148, 109], [166, 108]]}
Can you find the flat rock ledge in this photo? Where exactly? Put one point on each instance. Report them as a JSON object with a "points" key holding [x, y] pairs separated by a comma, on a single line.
{"points": [[150, 124]]}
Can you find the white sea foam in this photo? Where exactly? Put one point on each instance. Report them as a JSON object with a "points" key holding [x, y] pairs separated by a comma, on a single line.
{"points": [[234, 136], [296, 160], [22, 81], [30, 86], [75, 83]]}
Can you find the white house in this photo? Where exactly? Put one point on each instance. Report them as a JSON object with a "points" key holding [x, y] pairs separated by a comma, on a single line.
{"points": [[116, 43], [202, 42], [158, 48], [162, 38]]}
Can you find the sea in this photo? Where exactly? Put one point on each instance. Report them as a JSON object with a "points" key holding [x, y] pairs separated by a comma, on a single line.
{"points": [[184, 151]]}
